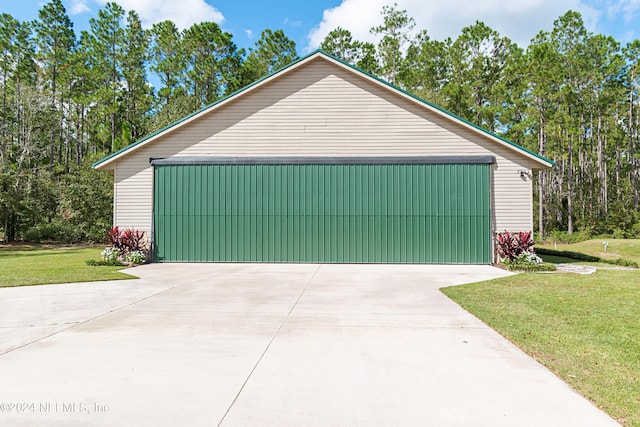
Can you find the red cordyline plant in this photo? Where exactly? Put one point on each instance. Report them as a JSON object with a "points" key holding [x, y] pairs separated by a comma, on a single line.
{"points": [[126, 241], [114, 238], [133, 240], [511, 245]]}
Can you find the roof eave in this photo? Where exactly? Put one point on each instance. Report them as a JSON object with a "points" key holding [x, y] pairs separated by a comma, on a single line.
{"points": [[543, 161], [104, 164]]}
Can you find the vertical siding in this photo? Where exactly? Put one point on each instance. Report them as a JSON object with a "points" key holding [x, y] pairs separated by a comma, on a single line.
{"points": [[320, 110], [322, 213]]}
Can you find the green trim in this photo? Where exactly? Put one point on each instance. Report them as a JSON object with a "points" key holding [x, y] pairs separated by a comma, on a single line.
{"points": [[353, 67], [442, 110], [177, 122]]}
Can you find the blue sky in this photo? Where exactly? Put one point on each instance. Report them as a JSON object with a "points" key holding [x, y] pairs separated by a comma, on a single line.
{"points": [[308, 21]]}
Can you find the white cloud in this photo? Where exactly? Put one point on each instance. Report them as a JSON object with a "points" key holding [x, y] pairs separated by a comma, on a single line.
{"points": [[249, 33], [78, 7], [183, 13], [294, 24], [628, 36], [519, 20], [628, 8]]}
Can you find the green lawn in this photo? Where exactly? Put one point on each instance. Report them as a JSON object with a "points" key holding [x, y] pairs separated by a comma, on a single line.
{"points": [[618, 248], [554, 259], [586, 329], [21, 266]]}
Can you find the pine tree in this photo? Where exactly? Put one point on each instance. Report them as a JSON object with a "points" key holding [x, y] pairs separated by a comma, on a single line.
{"points": [[137, 96], [55, 43], [272, 51]]}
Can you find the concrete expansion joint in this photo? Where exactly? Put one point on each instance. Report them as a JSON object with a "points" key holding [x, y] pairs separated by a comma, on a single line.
{"points": [[38, 325], [74, 324], [284, 321]]}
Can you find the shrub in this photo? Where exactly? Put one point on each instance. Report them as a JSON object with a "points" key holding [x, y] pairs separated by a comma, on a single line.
{"points": [[133, 240], [585, 257], [33, 235], [527, 261], [126, 241], [94, 233], [568, 254], [622, 262], [55, 231], [95, 262], [136, 257], [619, 234], [511, 245], [111, 255], [114, 238]]}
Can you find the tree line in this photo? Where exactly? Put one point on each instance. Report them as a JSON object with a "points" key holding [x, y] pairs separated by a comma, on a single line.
{"points": [[68, 99], [571, 95]]}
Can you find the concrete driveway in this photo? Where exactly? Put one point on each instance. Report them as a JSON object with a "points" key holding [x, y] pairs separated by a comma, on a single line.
{"points": [[269, 344]]}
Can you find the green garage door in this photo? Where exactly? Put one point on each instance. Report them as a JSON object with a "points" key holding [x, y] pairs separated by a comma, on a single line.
{"points": [[398, 210]]}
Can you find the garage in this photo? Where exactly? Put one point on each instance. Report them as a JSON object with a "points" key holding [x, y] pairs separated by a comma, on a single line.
{"points": [[338, 210], [320, 162]]}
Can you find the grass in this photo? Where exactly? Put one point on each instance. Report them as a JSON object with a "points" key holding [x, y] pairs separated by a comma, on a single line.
{"points": [[37, 265], [618, 248], [586, 329], [564, 260]]}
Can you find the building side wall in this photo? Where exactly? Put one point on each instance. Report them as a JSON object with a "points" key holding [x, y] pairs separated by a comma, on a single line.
{"points": [[322, 110]]}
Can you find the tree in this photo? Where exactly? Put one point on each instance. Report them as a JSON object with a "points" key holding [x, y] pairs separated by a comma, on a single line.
{"points": [[86, 199], [104, 45], [169, 63], [55, 41], [21, 203], [632, 83], [137, 96], [476, 88], [426, 68], [541, 65], [395, 31], [272, 51], [569, 38], [571, 96], [213, 63], [8, 33], [340, 44]]}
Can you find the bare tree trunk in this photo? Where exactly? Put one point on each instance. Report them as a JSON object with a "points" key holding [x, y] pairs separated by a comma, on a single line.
{"points": [[601, 195], [78, 145], [632, 149], [636, 170], [113, 132], [3, 134], [618, 166], [541, 149], [52, 153], [570, 188]]}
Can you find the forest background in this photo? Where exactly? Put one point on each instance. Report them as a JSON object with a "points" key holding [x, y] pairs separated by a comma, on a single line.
{"points": [[68, 99]]}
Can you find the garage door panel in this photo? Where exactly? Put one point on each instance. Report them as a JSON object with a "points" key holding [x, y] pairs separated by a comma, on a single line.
{"points": [[425, 213]]}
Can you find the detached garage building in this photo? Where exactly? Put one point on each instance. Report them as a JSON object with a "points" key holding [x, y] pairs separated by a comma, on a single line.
{"points": [[321, 162]]}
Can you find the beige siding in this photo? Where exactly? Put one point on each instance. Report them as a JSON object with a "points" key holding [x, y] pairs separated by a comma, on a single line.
{"points": [[322, 110]]}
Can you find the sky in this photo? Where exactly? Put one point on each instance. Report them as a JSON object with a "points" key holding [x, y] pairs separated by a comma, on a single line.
{"points": [[307, 22]]}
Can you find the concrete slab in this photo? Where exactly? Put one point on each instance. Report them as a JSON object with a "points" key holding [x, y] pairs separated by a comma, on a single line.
{"points": [[29, 313], [271, 344]]}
